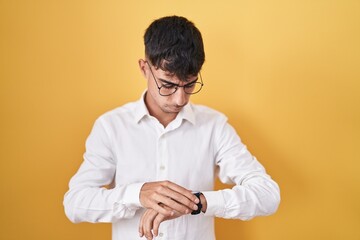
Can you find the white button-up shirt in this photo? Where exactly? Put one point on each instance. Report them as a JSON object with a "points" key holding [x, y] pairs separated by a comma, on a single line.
{"points": [[127, 147]]}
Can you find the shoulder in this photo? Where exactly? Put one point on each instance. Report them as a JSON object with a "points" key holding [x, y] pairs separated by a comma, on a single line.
{"points": [[207, 114], [124, 113]]}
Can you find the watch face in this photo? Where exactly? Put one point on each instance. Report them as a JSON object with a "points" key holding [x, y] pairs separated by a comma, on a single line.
{"points": [[195, 212]]}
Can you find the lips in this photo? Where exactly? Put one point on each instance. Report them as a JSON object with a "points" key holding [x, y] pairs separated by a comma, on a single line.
{"points": [[177, 108]]}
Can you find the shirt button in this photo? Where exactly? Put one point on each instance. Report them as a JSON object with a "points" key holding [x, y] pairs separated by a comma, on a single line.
{"points": [[161, 234], [162, 167]]}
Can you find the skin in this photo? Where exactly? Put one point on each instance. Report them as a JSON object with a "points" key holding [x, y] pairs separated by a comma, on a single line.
{"points": [[172, 196], [151, 220], [164, 200], [165, 109]]}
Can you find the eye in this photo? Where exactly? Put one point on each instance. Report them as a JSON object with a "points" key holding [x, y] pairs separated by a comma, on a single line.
{"points": [[168, 86], [190, 85]]}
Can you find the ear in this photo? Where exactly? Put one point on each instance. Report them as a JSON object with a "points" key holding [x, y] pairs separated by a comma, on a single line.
{"points": [[142, 66]]}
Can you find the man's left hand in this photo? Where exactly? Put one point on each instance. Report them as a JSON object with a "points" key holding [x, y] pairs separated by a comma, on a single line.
{"points": [[150, 222]]}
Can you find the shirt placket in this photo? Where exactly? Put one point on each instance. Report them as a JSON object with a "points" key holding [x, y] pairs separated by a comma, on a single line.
{"points": [[162, 173], [162, 168], [162, 163]]}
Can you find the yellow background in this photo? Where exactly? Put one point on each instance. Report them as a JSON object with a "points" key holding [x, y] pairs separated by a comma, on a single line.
{"points": [[285, 72]]}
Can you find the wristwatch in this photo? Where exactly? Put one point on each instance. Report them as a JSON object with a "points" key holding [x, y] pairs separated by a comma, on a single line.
{"points": [[195, 212]]}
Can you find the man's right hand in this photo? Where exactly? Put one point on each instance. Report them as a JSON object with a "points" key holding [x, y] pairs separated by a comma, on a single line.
{"points": [[168, 194]]}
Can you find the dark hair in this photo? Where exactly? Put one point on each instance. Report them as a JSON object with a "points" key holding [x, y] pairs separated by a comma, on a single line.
{"points": [[175, 45]]}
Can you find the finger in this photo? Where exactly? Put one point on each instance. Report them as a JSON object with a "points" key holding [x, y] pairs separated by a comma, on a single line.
{"points": [[148, 215], [179, 194], [156, 206], [148, 223], [156, 223], [182, 191], [153, 193], [142, 227], [174, 205], [141, 224], [174, 200]]}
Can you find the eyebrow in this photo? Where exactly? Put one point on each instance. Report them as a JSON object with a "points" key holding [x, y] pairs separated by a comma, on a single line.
{"points": [[168, 82]]}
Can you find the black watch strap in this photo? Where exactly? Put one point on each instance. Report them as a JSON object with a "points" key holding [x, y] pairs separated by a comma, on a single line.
{"points": [[195, 212]]}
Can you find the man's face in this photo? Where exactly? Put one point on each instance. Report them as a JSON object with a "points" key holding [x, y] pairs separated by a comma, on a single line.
{"points": [[171, 104]]}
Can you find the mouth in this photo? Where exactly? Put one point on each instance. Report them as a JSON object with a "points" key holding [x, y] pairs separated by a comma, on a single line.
{"points": [[175, 108], [179, 106]]}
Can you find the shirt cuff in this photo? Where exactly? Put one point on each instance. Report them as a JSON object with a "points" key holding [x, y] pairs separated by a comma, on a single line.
{"points": [[215, 203], [132, 195]]}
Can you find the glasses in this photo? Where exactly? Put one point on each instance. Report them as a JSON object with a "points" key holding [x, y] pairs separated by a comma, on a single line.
{"points": [[168, 88]]}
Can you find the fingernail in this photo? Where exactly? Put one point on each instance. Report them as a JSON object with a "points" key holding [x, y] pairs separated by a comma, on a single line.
{"points": [[197, 200], [195, 207]]}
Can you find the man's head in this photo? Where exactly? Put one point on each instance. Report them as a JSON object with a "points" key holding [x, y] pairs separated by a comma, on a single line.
{"points": [[175, 45], [174, 55]]}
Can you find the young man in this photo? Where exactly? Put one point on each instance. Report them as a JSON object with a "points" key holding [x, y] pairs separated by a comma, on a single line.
{"points": [[161, 154]]}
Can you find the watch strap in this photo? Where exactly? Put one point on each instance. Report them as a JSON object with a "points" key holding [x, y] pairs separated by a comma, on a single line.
{"points": [[195, 212]]}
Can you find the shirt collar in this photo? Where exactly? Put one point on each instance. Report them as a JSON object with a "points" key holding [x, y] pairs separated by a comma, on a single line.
{"points": [[141, 111], [187, 113]]}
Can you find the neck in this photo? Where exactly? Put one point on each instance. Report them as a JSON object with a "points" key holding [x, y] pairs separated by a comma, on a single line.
{"points": [[163, 117]]}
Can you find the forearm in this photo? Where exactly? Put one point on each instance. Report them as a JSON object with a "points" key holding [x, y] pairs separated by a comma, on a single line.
{"points": [[255, 197], [94, 204]]}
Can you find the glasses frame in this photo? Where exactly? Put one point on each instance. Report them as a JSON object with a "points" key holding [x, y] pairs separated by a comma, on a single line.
{"points": [[177, 86]]}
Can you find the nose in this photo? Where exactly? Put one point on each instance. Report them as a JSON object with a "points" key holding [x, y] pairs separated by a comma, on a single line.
{"points": [[180, 97]]}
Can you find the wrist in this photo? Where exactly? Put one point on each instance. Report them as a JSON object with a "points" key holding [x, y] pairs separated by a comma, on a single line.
{"points": [[199, 204], [203, 202], [202, 205]]}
